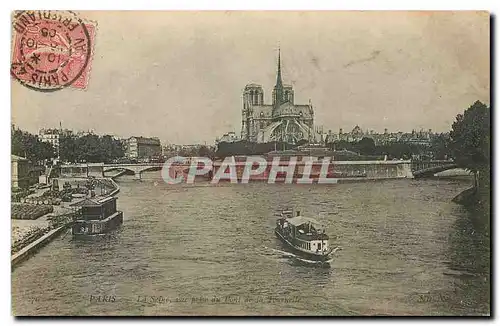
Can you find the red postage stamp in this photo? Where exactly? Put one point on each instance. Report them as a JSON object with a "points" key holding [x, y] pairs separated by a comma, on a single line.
{"points": [[51, 50]]}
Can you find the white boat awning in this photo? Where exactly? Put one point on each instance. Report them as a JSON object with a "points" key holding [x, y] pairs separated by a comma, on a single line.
{"points": [[299, 220]]}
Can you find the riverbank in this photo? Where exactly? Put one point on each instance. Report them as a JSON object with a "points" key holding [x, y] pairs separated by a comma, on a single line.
{"points": [[477, 200], [34, 246], [28, 236], [26, 231]]}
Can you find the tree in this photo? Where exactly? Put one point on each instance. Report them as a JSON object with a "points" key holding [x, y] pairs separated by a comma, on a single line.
{"points": [[470, 147], [440, 147], [90, 148], [204, 151], [44, 150], [244, 147], [29, 146], [470, 138], [341, 145], [67, 149], [365, 146], [111, 148], [188, 152]]}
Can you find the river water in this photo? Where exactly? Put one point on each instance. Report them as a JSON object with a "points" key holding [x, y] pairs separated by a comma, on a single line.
{"points": [[210, 250]]}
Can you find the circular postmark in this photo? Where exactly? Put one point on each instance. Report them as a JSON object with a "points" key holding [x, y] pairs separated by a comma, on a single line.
{"points": [[51, 49]]}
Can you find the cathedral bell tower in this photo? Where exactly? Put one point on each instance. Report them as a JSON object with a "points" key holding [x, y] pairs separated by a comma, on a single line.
{"points": [[253, 95]]}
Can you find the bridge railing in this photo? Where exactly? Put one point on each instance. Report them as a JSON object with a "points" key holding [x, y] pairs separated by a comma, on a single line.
{"points": [[421, 165], [132, 164]]}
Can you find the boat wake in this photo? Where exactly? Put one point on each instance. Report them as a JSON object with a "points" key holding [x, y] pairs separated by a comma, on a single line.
{"points": [[291, 255]]}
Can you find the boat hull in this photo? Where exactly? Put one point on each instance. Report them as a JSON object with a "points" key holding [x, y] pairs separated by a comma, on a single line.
{"points": [[97, 227], [324, 258]]}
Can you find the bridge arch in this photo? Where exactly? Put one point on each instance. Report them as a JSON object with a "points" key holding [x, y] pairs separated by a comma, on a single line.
{"points": [[119, 172], [151, 168], [429, 170], [136, 169]]}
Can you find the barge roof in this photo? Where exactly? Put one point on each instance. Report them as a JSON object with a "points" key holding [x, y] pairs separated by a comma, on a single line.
{"points": [[92, 202], [86, 202]]}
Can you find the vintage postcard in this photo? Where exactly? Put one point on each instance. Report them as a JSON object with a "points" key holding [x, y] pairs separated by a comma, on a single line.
{"points": [[250, 163]]}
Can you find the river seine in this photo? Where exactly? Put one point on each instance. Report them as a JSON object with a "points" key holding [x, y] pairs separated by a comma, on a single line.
{"points": [[204, 249]]}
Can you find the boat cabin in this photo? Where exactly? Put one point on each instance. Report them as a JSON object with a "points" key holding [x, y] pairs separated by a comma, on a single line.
{"points": [[304, 232], [309, 231], [92, 209]]}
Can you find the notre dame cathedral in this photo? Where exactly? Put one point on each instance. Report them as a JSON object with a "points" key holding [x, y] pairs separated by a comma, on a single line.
{"points": [[283, 120]]}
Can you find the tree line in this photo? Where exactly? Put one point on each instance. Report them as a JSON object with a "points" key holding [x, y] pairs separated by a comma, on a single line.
{"points": [[90, 148], [470, 145], [470, 138], [244, 147], [438, 148], [29, 146]]}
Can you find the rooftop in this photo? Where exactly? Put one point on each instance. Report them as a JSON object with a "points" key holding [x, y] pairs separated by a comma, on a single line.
{"points": [[299, 220], [253, 85], [92, 202]]}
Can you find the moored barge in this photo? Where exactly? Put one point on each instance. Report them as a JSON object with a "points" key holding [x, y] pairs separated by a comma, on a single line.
{"points": [[96, 217]]}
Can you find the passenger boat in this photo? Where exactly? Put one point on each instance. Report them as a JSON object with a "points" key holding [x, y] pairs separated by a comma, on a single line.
{"points": [[305, 236], [96, 216]]}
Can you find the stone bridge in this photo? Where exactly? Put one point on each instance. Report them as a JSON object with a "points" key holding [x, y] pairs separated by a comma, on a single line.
{"points": [[419, 169], [84, 170], [422, 169], [101, 170], [136, 168]]}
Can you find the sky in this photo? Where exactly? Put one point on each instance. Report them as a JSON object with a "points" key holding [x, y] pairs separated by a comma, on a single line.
{"points": [[180, 76]]}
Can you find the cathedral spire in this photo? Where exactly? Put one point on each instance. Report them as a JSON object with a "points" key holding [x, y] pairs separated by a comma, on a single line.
{"points": [[278, 88], [279, 82]]}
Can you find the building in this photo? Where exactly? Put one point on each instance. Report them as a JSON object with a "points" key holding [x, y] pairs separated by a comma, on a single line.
{"points": [[53, 137], [142, 147], [21, 172], [422, 137], [83, 133], [229, 137], [355, 135], [282, 120]]}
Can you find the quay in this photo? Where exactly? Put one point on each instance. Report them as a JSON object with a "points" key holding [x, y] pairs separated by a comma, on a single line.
{"points": [[74, 180], [338, 171], [31, 249]]}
